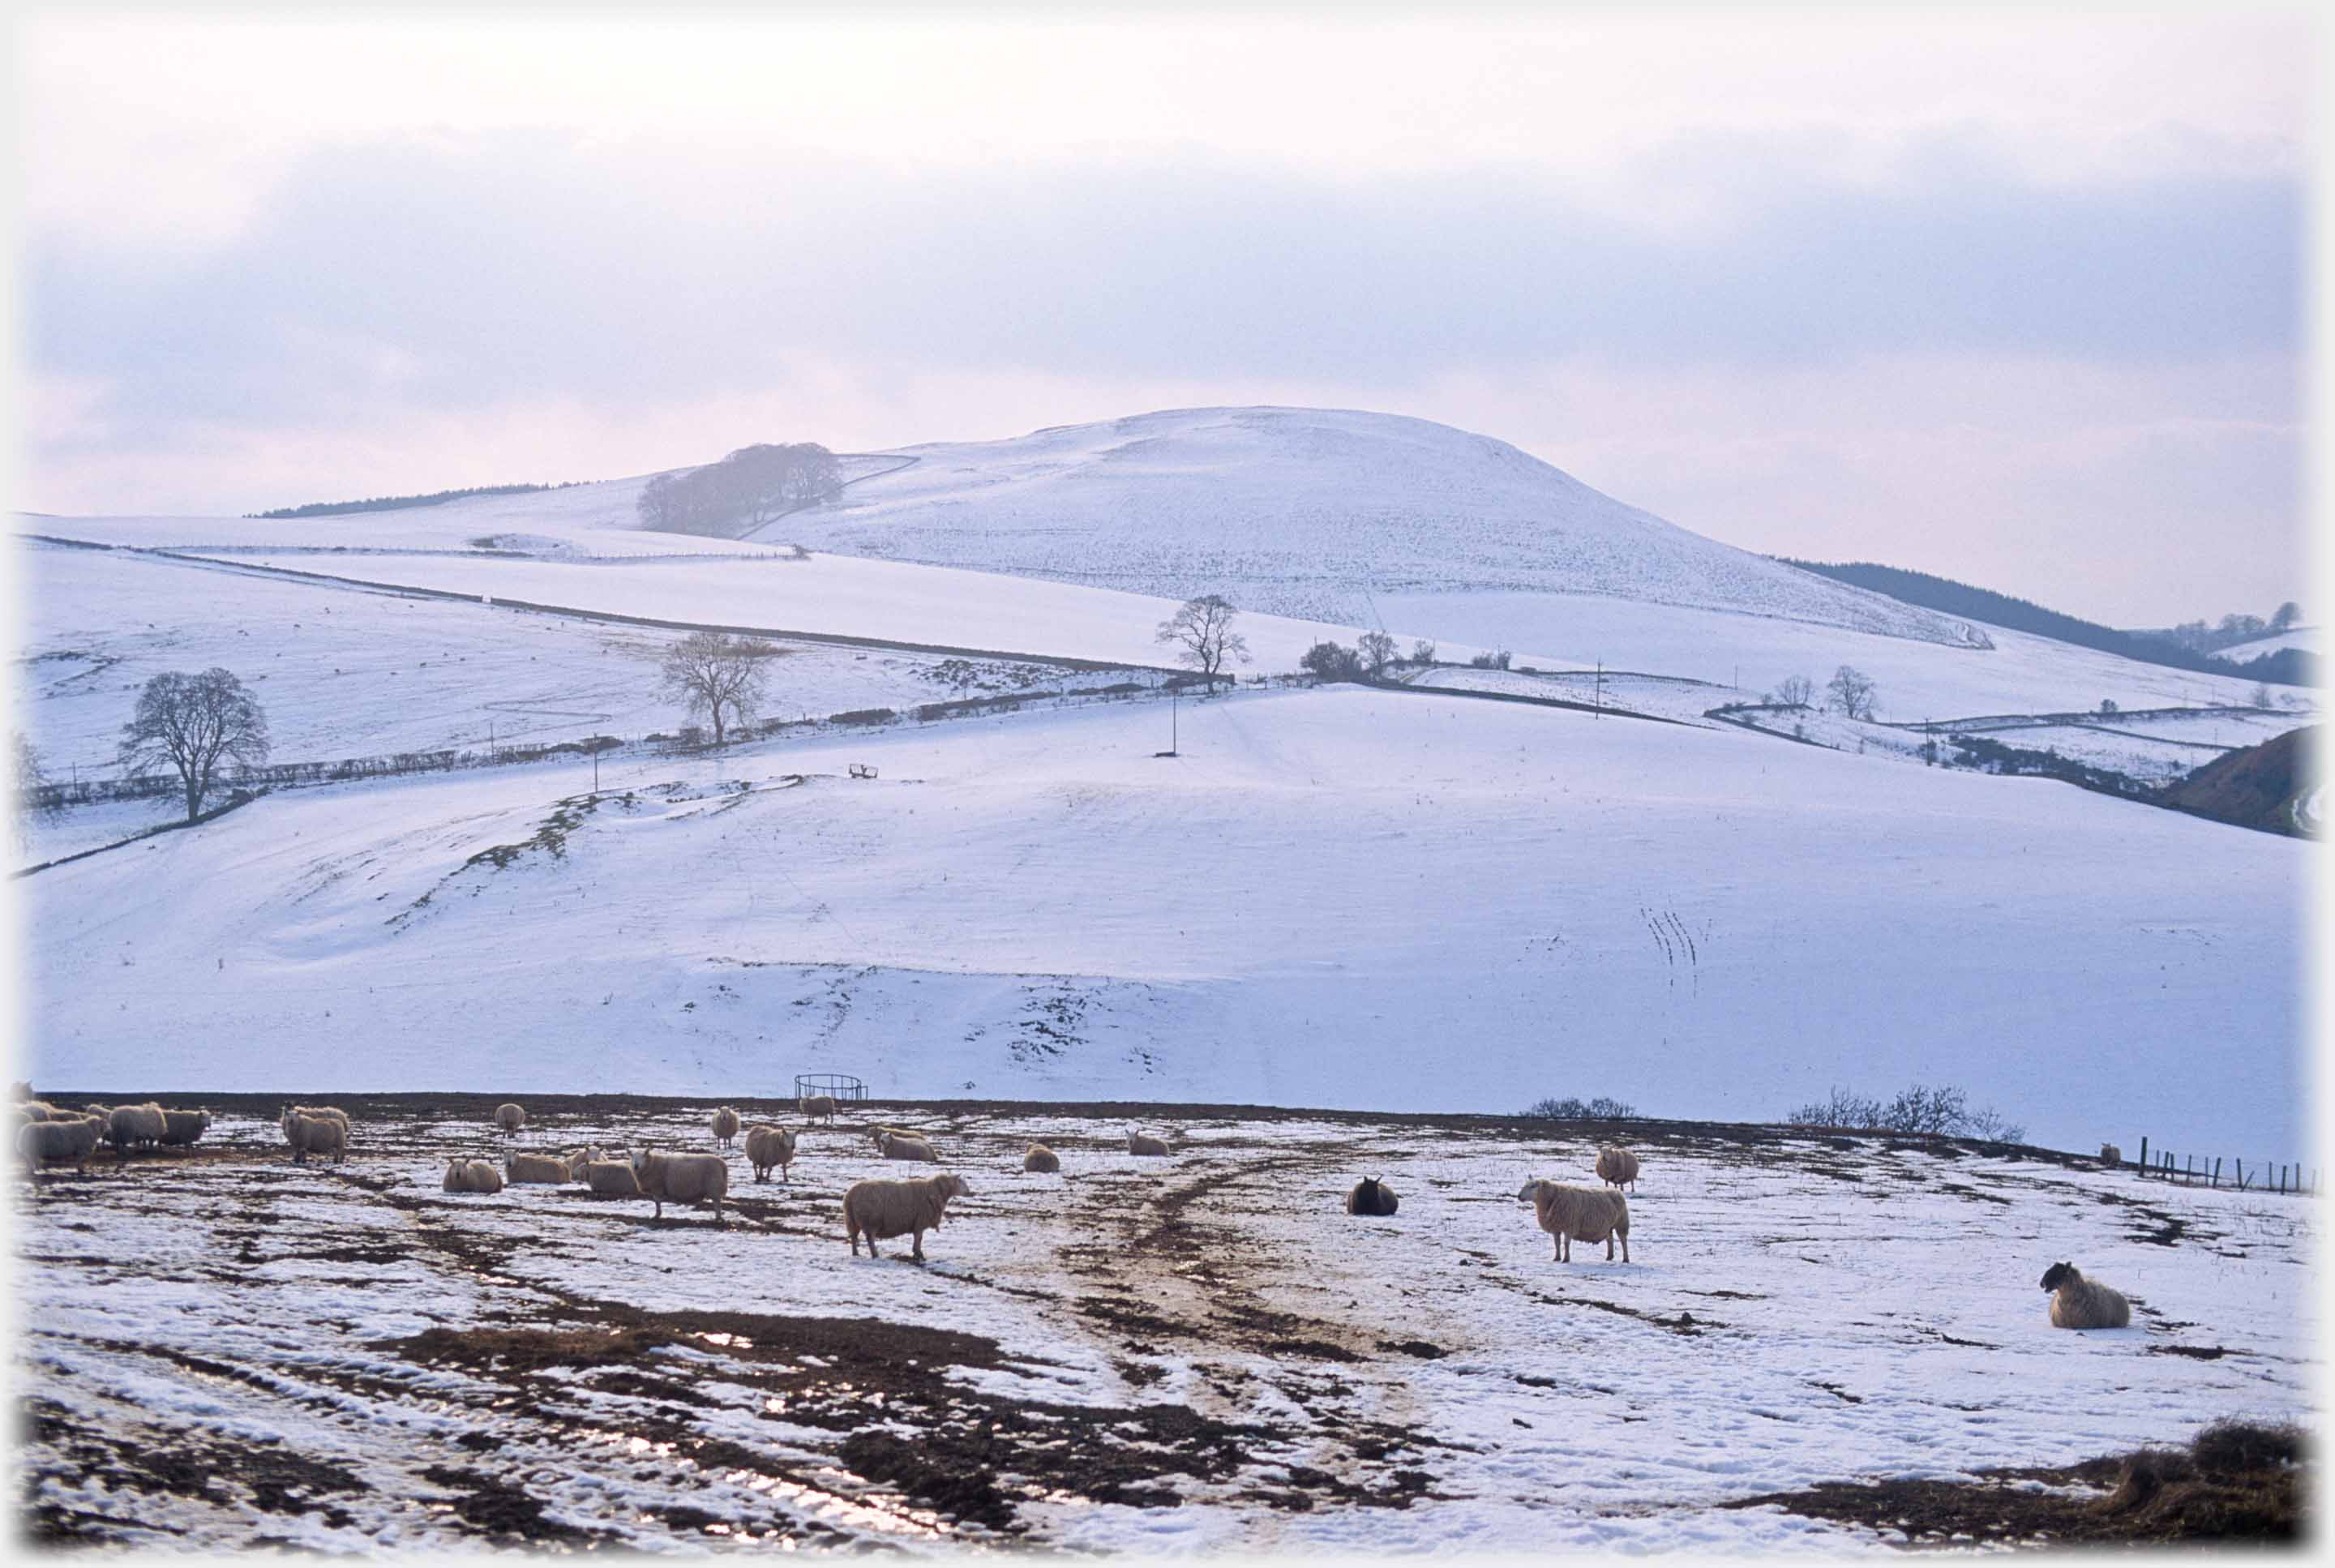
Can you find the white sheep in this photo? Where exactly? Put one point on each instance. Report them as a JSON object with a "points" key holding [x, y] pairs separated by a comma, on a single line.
{"points": [[35, 1110], [548, 1170], [2077, 1303], [317, 1129], [612, 1178], [682, 1178], [1039, 1157], [472, 1176], [818, 1105], [1373, 1197], [1144, 1143], [184, 1126], [511, 1118], [1617, 1167], [725, 1125], [880, 1210], [141, 1126], [64, 1138], [900, 1146], [2111, 1155], [1572, 1213], [768, 1145]]}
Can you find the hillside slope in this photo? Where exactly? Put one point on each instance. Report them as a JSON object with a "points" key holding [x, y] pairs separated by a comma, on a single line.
{"points": [[1306, 512], [2259, 787]]}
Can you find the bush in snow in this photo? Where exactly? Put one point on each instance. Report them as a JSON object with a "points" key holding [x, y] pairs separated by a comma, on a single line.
{"points": [[1332, 662], [1571, 1109], [1497, 660], [1944, 1111]]}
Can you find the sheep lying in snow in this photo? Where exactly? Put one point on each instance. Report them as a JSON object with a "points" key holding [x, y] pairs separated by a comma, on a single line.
{"points": [[180, 1127], [1039, 1157], [317, 1129], [899, 1146], [880, 1210], [2110, 1155], [135, 1126], [511, 1118], [63, 1139], [473, 1176], [1617, 1167], [549, 1170], [818, 1104], [767, 1147], [1373, 1197], [2077, 1303], [1572, 1213], [682, 1178], [612, 1178], [725, 1124], [1144, 1143]]}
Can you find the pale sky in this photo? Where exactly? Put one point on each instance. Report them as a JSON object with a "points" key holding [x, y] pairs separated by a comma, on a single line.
{"points": [[2019, 299]]}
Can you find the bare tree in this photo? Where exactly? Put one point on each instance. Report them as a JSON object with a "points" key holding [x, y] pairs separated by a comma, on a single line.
{"points": [[1852, 691], [1203, 628], [192, 722], [1422, 653], [1796, 690], [1377, 651], [30, 779], [714, 673]]}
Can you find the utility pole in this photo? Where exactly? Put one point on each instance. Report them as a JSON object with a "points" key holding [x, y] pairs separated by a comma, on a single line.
{"points": [[1597, 708]]}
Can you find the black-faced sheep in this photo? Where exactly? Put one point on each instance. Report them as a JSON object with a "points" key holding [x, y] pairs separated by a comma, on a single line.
{"points": [[2077, 1303], [1617, 1167], [317, 1130], [769, 1146], [1039, 1157], [682, 1178], [182, 1127], [818, 1104], [511, 1118], [1573, 1213], [1144, 1143], [472, 1176], [725, 1124], [1373, 1197], [880, 1210], [900, 1146]]}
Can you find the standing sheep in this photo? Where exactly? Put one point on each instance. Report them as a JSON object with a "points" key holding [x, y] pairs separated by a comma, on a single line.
{"points": [[1039, 1157], [767, 1147], [1617, 1167], [318, 1130], [1373, 1197], [1571, 1214], [62, 1138], [182, 1127], [880, 1210], [472, 1176], [511, 1118], [899, 1146], [682, 1178], [2077, 1303], [818, 1104], [1144, 1143], [139, 1125], [725, 1125], [2111, 1155]]}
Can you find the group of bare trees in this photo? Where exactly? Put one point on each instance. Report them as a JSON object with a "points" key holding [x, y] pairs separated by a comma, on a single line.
{"points": [[750, 487], [1850, 693]]}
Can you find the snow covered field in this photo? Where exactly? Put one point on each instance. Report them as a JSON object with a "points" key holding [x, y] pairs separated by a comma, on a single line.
{"points": [[1199, 1352], [1374, 899]]}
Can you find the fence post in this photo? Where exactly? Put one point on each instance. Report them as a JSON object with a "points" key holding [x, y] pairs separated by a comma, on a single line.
{"points": [[2143, 1156], [2216, 1178]]}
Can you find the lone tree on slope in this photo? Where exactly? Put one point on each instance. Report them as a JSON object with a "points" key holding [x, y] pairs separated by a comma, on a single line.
{"points": [[1203, 628], [192, 722], [1852, 693], [1377, 652], [714, 673]]}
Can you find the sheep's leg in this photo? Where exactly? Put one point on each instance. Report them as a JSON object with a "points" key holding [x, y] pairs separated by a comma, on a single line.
{"points": [[1609, 1249], [919, 1252]]}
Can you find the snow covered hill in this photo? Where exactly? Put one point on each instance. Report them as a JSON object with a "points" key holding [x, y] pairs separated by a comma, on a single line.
{"points": [[1309, 513], [2304, 637]]}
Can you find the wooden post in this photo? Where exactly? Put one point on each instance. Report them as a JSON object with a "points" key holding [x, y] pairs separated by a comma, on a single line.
{"points": [[2241, 1172], [2189, 1170], [2143, 1157], [2216, 1180]]}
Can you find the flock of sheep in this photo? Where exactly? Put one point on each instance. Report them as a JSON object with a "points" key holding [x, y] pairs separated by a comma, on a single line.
{"points": [[873, 1210]]}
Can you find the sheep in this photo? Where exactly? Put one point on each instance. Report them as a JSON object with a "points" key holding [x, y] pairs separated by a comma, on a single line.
{"points": [[768, 1145], [472, 1176], [880, 1210], [549, 1170], [682, 1178], [1572, 1213], [2077, 1303], [1617, 1167], [321, 1129], [612, 1178], [1144, 1143], [1373, 1197], [818, 1105], [879, 1132], [899, 1146], [62, 1138], [35, 1110], [135, 1124], [725, 1125], [1039, 1157], [511, 1118], [2110, 1155], [180, 1127]]}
